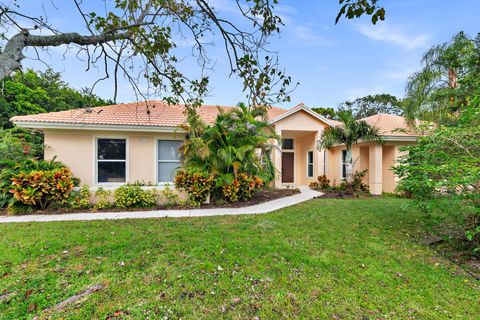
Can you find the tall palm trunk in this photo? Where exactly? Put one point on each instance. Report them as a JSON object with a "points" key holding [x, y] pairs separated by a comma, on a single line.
{"points": [[452, 78]]}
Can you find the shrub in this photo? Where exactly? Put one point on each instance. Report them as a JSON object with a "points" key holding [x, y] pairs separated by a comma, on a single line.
{"points": [[357, 184], [314, 185], [134, 197], [323, 182], [41, 188], [231, 191], [169, 197], [102, 199], [241, 188], [11, 169], [80, 199], [18, 144], [197, 184], [445, 165]]}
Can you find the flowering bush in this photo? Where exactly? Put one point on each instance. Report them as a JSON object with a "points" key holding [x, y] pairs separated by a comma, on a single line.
{"points": [[197, 184], [103, 199], [241, 188], [41, 188], [134, 197], [80, 199]]}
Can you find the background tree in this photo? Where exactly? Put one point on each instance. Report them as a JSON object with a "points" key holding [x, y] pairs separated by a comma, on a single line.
{"points": [[371, 105], [349, 133], [33, 92], [137, 39], [444, 84], [329, 113]]}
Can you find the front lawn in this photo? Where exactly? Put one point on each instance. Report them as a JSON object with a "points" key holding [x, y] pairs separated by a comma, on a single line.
{"points": [[321, 259]]}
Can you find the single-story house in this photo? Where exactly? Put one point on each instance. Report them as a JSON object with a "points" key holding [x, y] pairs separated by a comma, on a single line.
{"points": [[112, 145]]}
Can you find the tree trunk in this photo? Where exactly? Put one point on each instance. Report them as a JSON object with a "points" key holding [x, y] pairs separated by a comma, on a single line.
{"points": [[452, 78], [12, 55]]}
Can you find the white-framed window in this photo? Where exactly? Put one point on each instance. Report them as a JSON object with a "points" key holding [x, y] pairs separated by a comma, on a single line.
{"points": [[168, 159], [111, 160], [309, 164], [287, 144], [344, 164]]}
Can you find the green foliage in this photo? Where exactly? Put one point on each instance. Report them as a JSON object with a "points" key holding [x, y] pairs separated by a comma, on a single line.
{"points": [[239, 142], [102, 199], [329, 113], [354, 187], [168, 197], [349, 133], [198, 185], [357, 185], [134, 197], [448, 79], [356, 8], [41, 188], [18, 144], [32, 92], [241, 188], [80, 199], [446, 164], [11, 169], [371, 105]]}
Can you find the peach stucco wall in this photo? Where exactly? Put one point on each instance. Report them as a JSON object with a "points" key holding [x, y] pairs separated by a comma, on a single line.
{"points": [[77, 150], [305, 130], [378, 159]]}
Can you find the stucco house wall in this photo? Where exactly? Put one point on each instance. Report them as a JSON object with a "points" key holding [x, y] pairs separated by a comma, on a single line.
{"points": [[71, 137], [76, 148]]}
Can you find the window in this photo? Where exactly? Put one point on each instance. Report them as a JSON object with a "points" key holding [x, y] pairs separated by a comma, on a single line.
{"points": [[168, 159], [111, 160], [310, 164], [287, 144], [344, 164]]}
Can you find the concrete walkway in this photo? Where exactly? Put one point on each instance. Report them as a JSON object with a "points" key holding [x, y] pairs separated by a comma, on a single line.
{"points": [[304, 195]]}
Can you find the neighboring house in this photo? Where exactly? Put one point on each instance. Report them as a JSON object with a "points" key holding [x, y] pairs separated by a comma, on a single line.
{"points": [[111, 145]]}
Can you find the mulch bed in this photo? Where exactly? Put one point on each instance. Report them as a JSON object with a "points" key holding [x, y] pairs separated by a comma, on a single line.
{"points": [[260, 196]]}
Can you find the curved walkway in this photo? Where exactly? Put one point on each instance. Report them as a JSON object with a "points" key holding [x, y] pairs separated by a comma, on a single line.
{"points": [[304, 195]]}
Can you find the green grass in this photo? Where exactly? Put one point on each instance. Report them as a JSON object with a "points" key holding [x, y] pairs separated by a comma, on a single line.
{"points": [[320, 259]]}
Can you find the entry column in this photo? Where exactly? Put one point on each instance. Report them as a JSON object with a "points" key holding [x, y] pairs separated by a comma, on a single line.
{"points": [[277, 161], [375, 169]]}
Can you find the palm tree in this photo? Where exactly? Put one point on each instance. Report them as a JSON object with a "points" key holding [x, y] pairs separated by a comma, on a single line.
{"points": [[350, 132], [430, 92], [239, 141]]}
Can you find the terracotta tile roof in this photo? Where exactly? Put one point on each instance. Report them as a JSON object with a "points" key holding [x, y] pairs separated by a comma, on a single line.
{"points": [[391, 125], [132, 114]]}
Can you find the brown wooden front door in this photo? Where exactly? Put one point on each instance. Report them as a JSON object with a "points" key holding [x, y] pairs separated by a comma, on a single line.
{"points": [[287, 167]]}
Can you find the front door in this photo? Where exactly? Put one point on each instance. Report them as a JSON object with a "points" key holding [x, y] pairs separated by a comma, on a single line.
{"points": [[287, 167]]}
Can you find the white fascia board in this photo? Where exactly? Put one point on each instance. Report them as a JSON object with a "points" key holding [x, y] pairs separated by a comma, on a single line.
{"points": [[102, 127], [307, 110]]}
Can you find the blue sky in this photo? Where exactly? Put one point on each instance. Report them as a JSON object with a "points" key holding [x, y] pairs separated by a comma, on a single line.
{"points": [[332, 63]]}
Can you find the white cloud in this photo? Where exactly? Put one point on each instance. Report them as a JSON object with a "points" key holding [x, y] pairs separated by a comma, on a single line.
{"points": [[395, 35], [307, 35]]}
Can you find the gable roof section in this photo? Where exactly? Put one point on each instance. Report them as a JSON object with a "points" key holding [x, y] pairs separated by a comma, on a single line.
{"points": [[142, 115], [391, 125], [302, 107]]}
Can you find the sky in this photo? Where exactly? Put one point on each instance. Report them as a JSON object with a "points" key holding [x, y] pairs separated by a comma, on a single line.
{"points": [[332, 63]]}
